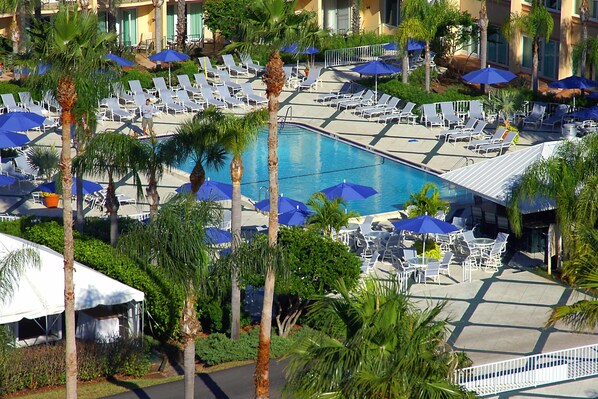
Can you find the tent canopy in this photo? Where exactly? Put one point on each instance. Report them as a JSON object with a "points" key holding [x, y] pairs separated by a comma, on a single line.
{"points": [[41, 291], [493, 179]]}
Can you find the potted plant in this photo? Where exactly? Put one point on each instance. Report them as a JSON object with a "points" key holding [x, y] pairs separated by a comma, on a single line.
{"points": [[50, 199]]}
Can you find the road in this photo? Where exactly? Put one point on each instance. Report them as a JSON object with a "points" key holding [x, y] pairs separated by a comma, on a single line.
{"points": [[235, 383]]}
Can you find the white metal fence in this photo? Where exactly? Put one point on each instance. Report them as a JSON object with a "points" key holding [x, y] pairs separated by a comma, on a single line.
{"points": [[352, 55], [530, 371]]}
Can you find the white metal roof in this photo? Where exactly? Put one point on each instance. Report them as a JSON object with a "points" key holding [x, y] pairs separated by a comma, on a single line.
{"points": [[493, 179], [41, 291]]}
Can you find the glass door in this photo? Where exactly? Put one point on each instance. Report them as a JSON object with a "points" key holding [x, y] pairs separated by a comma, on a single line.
{"points": [[129, 27]]}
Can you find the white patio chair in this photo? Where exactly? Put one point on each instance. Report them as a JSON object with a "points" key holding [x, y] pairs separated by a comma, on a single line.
{"points": [[430, 117], [209, 98], [186, 85], [185, 101], [445, 263], [536, 116], [228, 99], [432, 271], [449, 115], [495, 138], [229, 63], [170, 104], [476, 110], [251, 65], [206, 65], [251, 96], [344, 90], [312, 79], [11, 105]]}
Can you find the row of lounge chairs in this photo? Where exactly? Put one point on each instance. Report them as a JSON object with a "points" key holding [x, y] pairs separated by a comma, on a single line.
{"points": [[448, 116], [246, 67]]}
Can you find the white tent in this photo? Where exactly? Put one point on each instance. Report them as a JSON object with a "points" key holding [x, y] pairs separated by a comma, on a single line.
{"points": [[493, 179], [40, 291]]}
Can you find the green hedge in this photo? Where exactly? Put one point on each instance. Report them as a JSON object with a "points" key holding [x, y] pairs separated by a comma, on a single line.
{"points": [[43, 365], [218, 348], [415, 93], [9, 87], [142, 75], [163, 302]]}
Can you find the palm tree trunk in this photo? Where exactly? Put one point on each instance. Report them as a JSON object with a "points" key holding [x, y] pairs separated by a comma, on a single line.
{"points": [[80, 223], [152, 195], [158, 21], [181, 25], [483, 25], [111, 16], [189, 327], [355, 17], [274, 79], [583, 11], [427, 66], [236, 174], [112, 206], [197, 177], [66, 96], [406, 67], [535, 48]]}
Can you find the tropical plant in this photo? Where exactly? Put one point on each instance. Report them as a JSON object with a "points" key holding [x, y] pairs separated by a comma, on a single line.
{"points": [[225, 16], [329, 216], [151, 150], [423, 204], [46, 160], [12, 265], [566, 181], [176, 242], [20, 11], [198, 138], [75, 50], [587, 49], [114, 155], [270, 25], [584, 16], [538, 23], [506, 102], [583, 314], [391, 349], [238, 135]]}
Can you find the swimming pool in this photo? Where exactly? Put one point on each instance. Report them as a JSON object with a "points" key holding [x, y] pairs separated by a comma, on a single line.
{"points": [[310, 161]]}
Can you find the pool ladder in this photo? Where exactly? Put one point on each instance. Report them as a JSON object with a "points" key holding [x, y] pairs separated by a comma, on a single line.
{"points": [[283, 120], [460, 161], [259, 193]]}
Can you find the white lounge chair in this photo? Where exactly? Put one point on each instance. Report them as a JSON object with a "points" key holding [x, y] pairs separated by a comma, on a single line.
{"points": [[227, 98], [495, 138], [186, 85], [11, 105], [185, 101], [536, 116], [121, 93], [477, 131], [170, 104], [25, 168], [25, 99], [250, 95], [136, 89], [115, 111], [557, 117], [225, 78], [49, 122], [430, 117], [229, 63], [379, 104], [250, 65], [389, 107], [449, 115], [161, 86], [209, 98], [476, 110], [344, 90], [206, 65], [469, 125], [312, 79], [201, 81], [368, 98], [500, 146], [349, 97]]}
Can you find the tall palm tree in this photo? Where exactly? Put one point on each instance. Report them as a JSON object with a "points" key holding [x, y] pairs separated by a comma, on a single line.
{"points": [[329, 216], [13, 264], [198, 138], [538, 24], [154, 168], [114, 155], [176, 242], [158, 23], [585, 55], [181, 24], [270, 25], [424, 204], [483, 26], [238, 135], [356, 16], [75, 49], [567, 180], [391, 348], [584, 16]]}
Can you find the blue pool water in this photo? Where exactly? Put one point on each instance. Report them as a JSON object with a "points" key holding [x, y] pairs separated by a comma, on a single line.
{"points": [[310, 162]]}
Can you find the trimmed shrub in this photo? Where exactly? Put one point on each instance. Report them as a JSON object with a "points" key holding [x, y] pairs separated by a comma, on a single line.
{"points": [[43, 365], [142, 75], [415, 93], [218, 348], [13, 88]]}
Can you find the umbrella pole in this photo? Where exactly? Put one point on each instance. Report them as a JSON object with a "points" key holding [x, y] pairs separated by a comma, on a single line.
{"points": [[376, 89], [169, 81]]}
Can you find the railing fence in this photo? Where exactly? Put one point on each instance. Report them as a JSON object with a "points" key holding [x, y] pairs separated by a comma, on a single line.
{"points": [[352, 55]]}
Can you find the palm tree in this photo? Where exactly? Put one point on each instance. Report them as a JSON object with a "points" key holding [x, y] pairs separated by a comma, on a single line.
{"points": [[329, 215], [567, 181], [198, 138], [238, 135], [181, 24], [537, 24], [483, 26], [391, 348], [583, 314], [584, 55], [75, 49], [355, 16], [270, 25], [176, 242], [45, 160], [584, 16], [154, 168], [158, 23], [114, 155], [423, 204], [12, 265], [506, 102]]}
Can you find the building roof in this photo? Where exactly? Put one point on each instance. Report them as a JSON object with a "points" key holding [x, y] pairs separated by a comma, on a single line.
{"points": [[493, 179], [40, 292]]}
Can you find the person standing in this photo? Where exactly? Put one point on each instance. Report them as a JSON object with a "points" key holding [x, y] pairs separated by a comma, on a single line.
{"points": [[147, 117]]}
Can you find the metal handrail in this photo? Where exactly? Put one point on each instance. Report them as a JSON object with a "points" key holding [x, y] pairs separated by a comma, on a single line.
{"points": [[259, 193], [529, 371], [283, 120], [352, 55], [467, 160]]}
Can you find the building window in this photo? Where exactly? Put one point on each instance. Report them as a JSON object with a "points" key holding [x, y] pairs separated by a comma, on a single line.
{"points": [[392, 12], [526, 60], [548, 57], [554, 5], [498, 47]]}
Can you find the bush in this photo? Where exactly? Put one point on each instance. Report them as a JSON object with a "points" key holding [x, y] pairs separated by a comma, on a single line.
{"points": [[415, 93], [432, 249], [9, 87], [43, 365], [218, 348], [142, 75]]}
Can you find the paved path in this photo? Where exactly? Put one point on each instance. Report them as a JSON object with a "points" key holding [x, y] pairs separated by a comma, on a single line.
{"points": [[235, 383]]}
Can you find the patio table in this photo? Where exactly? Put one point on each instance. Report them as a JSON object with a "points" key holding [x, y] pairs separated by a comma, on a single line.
{"points": [[421, 263], [378, 237]]}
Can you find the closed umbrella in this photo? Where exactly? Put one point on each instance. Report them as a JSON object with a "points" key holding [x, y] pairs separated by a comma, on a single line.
{"points": [[169, 56], [210, 190], [89, 187], [348, 191], [285, 204], [20, 121], [425, 225], [123, 62], [376, 68]]}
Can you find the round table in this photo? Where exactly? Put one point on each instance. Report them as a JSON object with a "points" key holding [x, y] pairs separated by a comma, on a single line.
{"points": [[421, 263], [483, 243], [378, 236]]}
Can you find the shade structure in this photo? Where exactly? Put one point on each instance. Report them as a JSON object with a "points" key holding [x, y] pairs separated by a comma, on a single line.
{"points": [[348, 191], [425, 225], [6, 180], [376, 68], [285, 204], [294, 48], [295, 217], [573, 82], [210, 190], [217, 236], [587, 113], [20, 121], [89, 187], [119, 60], [489, 76], [10, 140], [169, 56], [412, 45]]}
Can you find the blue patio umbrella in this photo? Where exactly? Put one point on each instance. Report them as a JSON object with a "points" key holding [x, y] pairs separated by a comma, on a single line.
{"points": [[7, 180], [210, 190], [10, 139], [489, 76], [412, 45], [218, 236], [294, 48], [285, 204], [348, 191], [573, 82], [295, 217], [89, 187], [376, 68], [169, 56], [425, 225], [123, 62], [20, 121], [594, 95], [586, 113]]}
